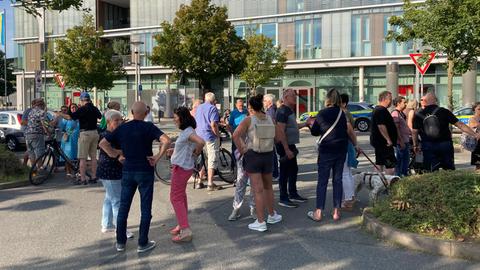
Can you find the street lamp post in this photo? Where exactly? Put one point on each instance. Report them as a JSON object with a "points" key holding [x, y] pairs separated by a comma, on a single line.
{"points": [[135, 45]]}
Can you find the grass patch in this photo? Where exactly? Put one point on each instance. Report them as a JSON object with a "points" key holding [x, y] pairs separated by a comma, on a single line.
{"points": [[11, 168], [444, 204]]}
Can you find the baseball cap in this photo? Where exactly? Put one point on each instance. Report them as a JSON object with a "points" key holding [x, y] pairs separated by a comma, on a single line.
{"points": [[84, 95]]}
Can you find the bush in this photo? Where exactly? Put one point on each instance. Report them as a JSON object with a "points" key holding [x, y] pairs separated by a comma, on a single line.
{"points": [[11, 167], [444, 204]]}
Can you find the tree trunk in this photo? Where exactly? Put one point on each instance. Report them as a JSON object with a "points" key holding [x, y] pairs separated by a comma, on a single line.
{"points": [[450, 85]]}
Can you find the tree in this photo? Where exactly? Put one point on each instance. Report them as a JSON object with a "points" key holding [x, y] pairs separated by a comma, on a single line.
{"points": [[200, 43], [449, 27], [83, 60], [11, 79], [31, 6], [264, 61]]}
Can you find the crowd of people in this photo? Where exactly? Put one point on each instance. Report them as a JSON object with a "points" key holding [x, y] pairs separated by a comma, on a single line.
{"points": [[264, 138]]}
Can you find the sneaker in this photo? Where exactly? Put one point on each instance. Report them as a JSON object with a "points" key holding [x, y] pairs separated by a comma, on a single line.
{"points": [[257, 226], [298, 198], [287, 204], [234, 215], [275, 179], [274, 219], [253, 213], [130, 235], [149, 246], [120, 247], [108, 230]]}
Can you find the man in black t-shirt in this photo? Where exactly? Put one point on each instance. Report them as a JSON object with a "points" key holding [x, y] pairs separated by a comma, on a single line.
{"points": [[438, 150], [384, 134]]}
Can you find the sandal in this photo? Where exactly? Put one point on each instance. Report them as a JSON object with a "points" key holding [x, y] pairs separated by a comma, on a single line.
{"points": [[310, 214], [182, 237], [214, 188], [175, 231], [336, 217]]}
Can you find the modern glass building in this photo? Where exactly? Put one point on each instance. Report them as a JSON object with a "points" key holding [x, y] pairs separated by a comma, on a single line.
{"points": [[330, 43]]}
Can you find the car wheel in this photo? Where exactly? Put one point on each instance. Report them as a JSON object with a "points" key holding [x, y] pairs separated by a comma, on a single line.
{"points": [[12, 143], [362, 125]]}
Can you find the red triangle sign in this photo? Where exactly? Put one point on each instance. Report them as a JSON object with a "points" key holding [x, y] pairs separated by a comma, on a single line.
{"points": [[422, 68], [59, 80]]}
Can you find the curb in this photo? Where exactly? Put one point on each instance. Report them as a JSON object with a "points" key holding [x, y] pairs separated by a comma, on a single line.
{"points": [[455, 249], [14, 184]]}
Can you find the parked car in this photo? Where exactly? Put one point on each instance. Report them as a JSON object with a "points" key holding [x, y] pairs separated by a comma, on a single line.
{"points": [[361, 112], [464, 114], [10, 125]]}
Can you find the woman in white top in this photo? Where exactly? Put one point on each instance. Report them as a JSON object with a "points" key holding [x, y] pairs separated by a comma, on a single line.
{"points": [[187, 147], [257, 153]]}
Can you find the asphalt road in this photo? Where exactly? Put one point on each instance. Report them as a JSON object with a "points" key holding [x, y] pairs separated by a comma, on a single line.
{"points": [[57, 226]]}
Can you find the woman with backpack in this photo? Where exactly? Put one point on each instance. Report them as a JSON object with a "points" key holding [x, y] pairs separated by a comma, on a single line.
{"points": [[334, 129], [259, 131]]}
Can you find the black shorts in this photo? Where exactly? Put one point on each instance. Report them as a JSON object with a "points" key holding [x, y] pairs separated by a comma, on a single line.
{"points": [[254, 162], [385, 156]]}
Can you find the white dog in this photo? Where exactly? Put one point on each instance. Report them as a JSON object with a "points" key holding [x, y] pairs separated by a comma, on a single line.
{"points": [[373, 181]]}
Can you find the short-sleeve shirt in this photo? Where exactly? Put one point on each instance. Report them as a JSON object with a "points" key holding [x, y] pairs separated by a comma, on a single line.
{"points": [[336, 141], [445, 118], [108, 168], [288, 117], [36, 117], [236, 117], [381, 116], [183, 151], [400, 119], [272, 111], [25, 118], [87, 116], [350, 117], [135, 138], [206, 114]]}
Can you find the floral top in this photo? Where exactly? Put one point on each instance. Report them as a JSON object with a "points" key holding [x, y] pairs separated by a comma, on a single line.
{"points": [[36, 117], [108, 168]]}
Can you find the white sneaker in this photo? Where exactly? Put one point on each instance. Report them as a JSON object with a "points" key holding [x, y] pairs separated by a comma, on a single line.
{"points": [[129, 235], [257, 226], [274, 219], [234, 215], [108, 230], [253, 213]]}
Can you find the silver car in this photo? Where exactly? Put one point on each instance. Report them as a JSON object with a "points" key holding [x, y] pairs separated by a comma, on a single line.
{"points": [[12, 129]]}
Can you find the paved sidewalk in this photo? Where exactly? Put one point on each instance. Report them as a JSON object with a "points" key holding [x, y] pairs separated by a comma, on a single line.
{"points": [[57, 226]]}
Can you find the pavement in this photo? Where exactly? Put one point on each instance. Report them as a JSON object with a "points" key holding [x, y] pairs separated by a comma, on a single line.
{"points": [[57, 226]]}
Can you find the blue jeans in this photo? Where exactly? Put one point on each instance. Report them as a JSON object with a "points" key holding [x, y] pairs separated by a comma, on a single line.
{"points": [[403, 159], [130, 182], [438, 155], [111, 203], [330, 162]]}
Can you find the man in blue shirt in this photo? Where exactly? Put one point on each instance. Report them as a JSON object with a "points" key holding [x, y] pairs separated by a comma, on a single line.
{"points": [[207, 118], [135, 139], [236, 117]]}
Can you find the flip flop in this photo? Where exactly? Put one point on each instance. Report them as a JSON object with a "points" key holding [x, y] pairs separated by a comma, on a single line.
{"points": [[310, 215]]}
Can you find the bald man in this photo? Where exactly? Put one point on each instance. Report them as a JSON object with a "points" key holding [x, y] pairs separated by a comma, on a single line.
{"points": [[432, 125], [135, 139]]}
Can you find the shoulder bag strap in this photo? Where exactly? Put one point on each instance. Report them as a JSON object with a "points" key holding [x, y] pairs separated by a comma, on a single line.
{"points": [[331, 127]]}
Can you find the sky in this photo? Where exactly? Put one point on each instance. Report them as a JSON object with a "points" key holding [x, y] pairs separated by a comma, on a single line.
{"points": [[11, 48]]}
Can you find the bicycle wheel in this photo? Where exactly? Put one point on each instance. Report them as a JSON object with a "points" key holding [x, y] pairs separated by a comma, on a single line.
{"points": [[227, 169], [163, 170], [38, 175]]}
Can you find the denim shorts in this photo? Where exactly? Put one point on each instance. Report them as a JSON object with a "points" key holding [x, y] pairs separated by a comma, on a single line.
{"points": [[254, 162]]}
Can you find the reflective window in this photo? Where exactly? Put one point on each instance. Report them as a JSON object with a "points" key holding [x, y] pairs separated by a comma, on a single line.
{"points": [[3, 119], [308, 39], [268, 29], [361, 43]]}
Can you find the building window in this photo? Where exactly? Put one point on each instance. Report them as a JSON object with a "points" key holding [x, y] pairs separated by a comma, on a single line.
{"points": [[361, 43], [295, 6], [308, 39], [393, 47], [267, 29]]}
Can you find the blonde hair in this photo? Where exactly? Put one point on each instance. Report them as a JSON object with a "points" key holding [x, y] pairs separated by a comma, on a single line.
{"points": [[333, 98], [412, 104]]}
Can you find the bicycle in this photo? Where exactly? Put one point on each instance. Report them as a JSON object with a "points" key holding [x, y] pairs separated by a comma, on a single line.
{"points": [[48, 162], [226, 169]]}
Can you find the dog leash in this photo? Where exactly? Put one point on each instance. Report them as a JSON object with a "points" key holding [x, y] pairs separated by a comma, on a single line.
{"points": [[380, 173]]}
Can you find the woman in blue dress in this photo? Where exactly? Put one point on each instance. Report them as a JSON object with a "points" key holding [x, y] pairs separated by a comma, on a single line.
{"points": [[71, 131]]}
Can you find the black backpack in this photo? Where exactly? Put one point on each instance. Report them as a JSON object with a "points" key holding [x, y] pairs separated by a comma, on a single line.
{"points": [[431, 125]]}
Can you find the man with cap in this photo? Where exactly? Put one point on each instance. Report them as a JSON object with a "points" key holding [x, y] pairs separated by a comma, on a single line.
{"points": [[87, 116]]}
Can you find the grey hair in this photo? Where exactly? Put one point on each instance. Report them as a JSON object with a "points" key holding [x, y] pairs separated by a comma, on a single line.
{"points": [[270, 98], [111, 114], [210, 97]]}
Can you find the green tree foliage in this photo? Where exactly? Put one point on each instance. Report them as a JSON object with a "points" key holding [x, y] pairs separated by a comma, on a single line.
{"points": [[31, 6], [201, 43], [264, 61], [11, 80], [83, 60], [449, 27]]}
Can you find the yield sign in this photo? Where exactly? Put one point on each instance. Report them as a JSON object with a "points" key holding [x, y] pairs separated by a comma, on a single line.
{"points": [[422, 67], [59, 80]]}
